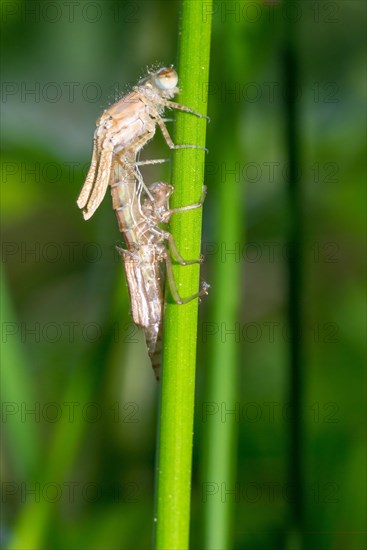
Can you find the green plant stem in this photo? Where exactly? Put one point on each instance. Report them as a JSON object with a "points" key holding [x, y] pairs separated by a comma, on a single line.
{"points": [[180, 325], [221, 396], [220, 407]]}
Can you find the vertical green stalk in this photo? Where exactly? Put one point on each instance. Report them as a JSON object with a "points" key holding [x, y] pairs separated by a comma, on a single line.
{"points": [[220, 408], [180, 325]]}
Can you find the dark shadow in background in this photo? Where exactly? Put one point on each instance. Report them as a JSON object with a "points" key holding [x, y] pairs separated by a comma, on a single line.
{"points": [[295, 306]]}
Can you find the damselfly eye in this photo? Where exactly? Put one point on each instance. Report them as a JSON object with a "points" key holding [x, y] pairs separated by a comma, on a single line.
{"points": [[166, 79]]}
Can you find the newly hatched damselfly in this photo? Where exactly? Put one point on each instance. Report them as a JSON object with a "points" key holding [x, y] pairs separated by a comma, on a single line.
{"points": [[122, 131]]}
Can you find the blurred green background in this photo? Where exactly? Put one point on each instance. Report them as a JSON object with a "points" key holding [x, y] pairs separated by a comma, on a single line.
{"points": [[79, 398]]}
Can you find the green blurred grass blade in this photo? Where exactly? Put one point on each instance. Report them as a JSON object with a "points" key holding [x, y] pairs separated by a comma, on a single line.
{"points": [[17, 392], [221, 392], [36, 516]]}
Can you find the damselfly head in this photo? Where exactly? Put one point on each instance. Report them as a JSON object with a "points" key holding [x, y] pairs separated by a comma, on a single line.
{"points": [[162, 82], [166, 78]]}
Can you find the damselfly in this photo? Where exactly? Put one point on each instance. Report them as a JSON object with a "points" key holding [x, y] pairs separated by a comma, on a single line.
{"points": [[122, 131]]}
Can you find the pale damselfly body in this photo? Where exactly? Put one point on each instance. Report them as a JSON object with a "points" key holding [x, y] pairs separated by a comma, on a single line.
{"points": [[122, 131]]}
